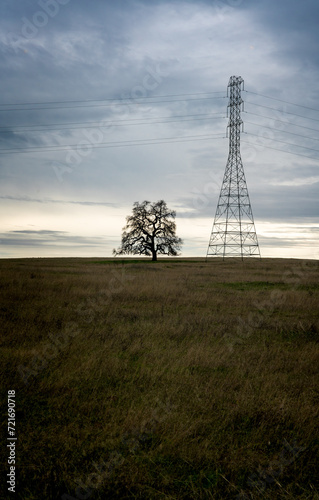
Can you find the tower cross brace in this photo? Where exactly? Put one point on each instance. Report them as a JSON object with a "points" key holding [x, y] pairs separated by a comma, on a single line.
{"points": [[234, 233]]}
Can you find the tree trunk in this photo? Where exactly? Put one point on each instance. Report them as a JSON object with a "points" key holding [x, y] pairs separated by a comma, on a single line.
{"points": [[154, 255]]}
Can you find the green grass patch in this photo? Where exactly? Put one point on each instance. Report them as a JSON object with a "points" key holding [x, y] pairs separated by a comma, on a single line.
{"points": [[255, 285]]}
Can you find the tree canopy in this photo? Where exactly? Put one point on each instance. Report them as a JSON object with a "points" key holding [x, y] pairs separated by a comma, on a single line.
{"points": [[150, 230]]}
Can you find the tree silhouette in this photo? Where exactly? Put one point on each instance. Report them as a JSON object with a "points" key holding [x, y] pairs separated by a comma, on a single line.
{"points": [[150, 230]]}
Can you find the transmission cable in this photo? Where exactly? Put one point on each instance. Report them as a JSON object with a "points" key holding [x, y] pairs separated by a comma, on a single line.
{"points": [[282, 150], [111, 99], [138, 142], [283, 131], [281, 100], [116, 104], [99, 122], [280, 121], [119, 123], [280, 111], [284, 142]]}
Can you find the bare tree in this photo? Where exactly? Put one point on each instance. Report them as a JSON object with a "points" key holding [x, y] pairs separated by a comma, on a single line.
{"points": [[150, 230]]}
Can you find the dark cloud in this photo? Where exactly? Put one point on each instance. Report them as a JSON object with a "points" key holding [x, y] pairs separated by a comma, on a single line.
{"points": [[46, 238], [294, 26], [288, 16], [70, 202], [276, 202]]}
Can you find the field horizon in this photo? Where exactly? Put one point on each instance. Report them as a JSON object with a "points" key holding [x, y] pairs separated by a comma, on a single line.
{"points": [[183, 379]]}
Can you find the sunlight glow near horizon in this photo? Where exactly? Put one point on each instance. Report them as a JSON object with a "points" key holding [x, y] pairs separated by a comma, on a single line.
{"points": [[91, 231]]}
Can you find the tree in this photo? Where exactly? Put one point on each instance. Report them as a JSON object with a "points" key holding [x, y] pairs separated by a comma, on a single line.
{"points": [[149, 231]]}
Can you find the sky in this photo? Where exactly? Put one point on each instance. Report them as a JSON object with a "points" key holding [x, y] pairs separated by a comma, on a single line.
{"points": [[103, 104]]}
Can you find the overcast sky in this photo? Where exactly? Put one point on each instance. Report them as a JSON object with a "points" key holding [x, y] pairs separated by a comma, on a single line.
{"points": [[107, 103]]}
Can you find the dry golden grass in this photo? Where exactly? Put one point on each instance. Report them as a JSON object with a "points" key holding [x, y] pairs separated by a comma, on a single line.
{"points": [[179, 379]]}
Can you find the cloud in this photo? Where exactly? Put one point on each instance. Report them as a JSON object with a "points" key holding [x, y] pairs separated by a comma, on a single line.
{"points": [[125, 50], [71, 202], [47, 238]]}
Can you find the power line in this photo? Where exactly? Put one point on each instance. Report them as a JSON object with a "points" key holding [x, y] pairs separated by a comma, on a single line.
{"points": [[35, 103], [102, 122], [282, 150], [119, 123], [288, 143], [110, 99], [280, 111], [116, 104], [105, 145], [280, 121], [141, 121], [284, 131], [281, 100]]}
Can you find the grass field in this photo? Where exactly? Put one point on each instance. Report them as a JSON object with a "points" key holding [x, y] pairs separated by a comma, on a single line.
{"points": [[178, 379]]}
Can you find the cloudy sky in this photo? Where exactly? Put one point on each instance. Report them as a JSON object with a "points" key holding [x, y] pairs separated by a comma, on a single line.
{"points": [[107, 103]]}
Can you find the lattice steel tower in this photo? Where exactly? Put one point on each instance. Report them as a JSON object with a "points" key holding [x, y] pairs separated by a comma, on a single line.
{"points": [[233, 233]]}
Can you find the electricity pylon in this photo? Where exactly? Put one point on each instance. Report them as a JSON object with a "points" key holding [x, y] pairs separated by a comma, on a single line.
{"points": [[233, 233]]}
